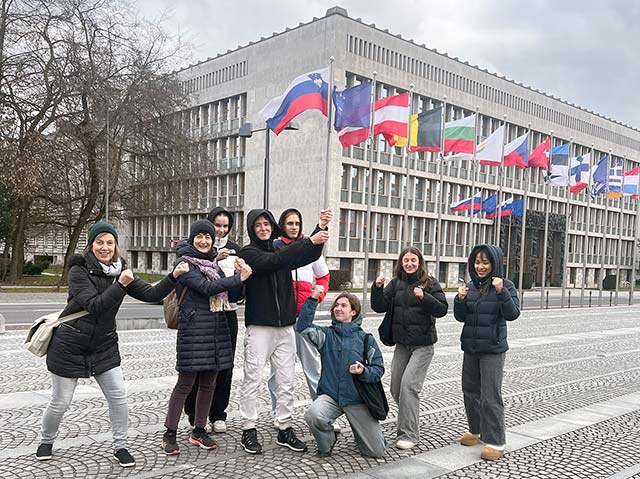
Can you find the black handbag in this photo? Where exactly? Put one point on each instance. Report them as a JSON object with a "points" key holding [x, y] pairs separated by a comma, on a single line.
{"points": [[372, 394], [385, 329]]}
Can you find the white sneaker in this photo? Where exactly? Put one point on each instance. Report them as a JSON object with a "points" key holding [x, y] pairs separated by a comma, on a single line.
{"points": [[336, 428], [402, 444], [219, 426]]}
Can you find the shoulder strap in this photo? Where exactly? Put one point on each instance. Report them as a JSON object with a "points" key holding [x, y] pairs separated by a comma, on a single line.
{"points": [[184, 291], [365, 356], [73, 316]]}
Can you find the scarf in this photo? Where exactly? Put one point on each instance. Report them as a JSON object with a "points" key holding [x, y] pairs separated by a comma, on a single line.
{"points": [[218, 302], [112, 270]]}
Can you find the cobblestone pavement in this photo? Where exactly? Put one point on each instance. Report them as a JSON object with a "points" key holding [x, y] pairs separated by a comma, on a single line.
{"points": [[571, 391]]}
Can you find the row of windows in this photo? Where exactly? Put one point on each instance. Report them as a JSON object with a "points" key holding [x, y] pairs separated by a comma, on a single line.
{"points": [[216, 77], [422, 69]]}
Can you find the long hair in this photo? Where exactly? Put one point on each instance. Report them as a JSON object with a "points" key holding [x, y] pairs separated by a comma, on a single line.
{"points": [[353, 301], [116, 251], [426, 281]]}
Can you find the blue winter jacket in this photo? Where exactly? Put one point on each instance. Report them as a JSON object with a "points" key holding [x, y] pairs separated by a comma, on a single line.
{"points": [[484, 312], [340, 346], [204, 340]]}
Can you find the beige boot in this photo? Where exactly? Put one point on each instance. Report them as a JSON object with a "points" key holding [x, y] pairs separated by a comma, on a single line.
{"points": [[491, 454], [469, 439]]}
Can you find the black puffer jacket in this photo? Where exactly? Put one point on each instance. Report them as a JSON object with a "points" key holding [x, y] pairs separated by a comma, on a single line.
{"points": [[484, 314], [414, 320], [269, 290], [89, 345], [204, 340]]}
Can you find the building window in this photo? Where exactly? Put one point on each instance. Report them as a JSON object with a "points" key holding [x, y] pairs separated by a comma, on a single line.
{"points": [[149, 264], [164, 261]]}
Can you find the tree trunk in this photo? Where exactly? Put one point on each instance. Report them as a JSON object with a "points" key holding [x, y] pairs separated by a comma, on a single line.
{"points": [[17, 256]]}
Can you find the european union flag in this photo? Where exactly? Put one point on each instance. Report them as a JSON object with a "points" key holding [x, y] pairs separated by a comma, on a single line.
{"points": [[353, 106]]}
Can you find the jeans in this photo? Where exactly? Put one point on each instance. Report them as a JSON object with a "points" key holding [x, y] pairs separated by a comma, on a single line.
{"points": [[482, 389], [366, 430], [408, 371], [112, 384]]}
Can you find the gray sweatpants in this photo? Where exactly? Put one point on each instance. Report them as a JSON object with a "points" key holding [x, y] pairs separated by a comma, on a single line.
{"points": [[408, 371], [112, 384], [482, 389], [366, 430]]}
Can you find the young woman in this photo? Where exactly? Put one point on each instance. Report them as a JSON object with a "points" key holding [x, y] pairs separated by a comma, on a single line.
{"points": [[204, 342], [98, 282], [341, 347], [415, 300], [484, 305]]}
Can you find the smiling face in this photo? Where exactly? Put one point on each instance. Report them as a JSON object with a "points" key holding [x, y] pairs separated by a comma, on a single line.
{"points": [[221, 225], [482, 265], [342, 310], [292, 226], [203, 242], [410, 263], [262, 228], [104, 248]]}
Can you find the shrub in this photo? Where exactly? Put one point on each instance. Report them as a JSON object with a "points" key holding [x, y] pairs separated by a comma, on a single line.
{"points": [[609, 282], [339, 279], [34, 269]]}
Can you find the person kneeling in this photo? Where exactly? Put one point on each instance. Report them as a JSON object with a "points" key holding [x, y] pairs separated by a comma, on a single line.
{"points": [[341, 348]]}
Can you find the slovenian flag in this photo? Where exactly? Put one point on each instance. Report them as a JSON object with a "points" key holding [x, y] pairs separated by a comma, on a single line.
{"points": [[630, 184], [307, 92], [516, 153], [465, 205], [510, 207], [490, 205]]}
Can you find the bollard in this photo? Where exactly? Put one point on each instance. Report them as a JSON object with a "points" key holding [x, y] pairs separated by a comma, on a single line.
{"points": [[2, 325], [522, 300], [610, 298], [630, 300], [547, 305], [590, 292], [569, 300]]}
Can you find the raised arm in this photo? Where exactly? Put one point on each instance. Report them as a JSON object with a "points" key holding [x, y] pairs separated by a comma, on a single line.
{"points": [[85, 294], [434, 301]]}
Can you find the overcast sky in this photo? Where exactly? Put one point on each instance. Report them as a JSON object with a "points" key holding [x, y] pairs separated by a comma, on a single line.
{"points": [[584, 51]]}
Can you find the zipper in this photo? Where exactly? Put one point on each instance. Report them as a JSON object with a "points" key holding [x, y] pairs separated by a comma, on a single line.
{"points": [[275, 287]]}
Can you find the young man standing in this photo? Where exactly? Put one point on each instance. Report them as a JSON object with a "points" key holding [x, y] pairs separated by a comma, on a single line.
{"points": [[270, 316], [227, 252]]}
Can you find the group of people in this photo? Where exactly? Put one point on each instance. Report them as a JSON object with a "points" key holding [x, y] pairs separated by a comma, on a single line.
{"points": [[281, 275]]}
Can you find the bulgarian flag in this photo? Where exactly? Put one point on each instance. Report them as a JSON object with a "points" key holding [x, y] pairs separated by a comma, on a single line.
{"points": [[459, 135]]}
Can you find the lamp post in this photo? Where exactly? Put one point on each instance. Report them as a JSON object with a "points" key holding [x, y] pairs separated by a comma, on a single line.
{"points": [[246, 131]]}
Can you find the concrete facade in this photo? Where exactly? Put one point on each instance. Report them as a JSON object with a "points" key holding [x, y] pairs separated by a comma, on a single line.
{"points": [[231, 89]]}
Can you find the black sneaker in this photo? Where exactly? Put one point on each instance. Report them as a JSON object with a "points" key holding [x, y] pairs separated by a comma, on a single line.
{"points": [[287, 438], [44, 452], [124, 458], [250, 441], [170, 444], [199, 437]]}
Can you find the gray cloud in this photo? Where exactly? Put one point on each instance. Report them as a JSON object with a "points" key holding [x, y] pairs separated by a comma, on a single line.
{"points": [[584, 52]]}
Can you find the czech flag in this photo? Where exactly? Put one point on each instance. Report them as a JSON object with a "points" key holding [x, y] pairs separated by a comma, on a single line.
{"points": [[516, 153], [307, 92]]}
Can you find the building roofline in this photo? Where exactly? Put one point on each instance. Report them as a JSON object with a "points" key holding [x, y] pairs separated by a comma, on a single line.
{"points": [[337, 10]]}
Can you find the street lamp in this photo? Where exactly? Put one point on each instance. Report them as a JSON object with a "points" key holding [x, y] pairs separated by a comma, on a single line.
{"points": [[246, 131]]}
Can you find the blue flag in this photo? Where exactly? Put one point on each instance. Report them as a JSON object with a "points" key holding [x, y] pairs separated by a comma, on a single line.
{"points": [[353, 106], [600, 177]]}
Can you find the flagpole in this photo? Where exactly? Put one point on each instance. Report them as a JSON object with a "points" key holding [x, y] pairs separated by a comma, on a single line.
{"points": [[440, 187], [327, 175], [502, 174], [473, 179], [546, 228], [406, 157], [565, 256], [368, 230], [619, 248], [586, 231], [635, 243], [603, 245], [508, 246], [525, 197]]}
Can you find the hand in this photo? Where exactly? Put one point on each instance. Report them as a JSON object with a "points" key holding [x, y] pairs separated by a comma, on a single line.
{"points": [[239, 263], [180, 269], [245, 272], [418, 292], [318, 289], [126, 277], [462, 292], [325, 218], [380, 281], [223, 253], [320, 237], [356, 368], [498, 284]]}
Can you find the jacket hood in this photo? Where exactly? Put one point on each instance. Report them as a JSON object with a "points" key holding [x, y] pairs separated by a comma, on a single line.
{"points": [[281, 222], [495, 255], [185, 248], [217, 211], [252, 216]]}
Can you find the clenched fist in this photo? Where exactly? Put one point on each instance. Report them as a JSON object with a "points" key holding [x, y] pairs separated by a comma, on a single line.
{"points": [[380, 281], [320, 237], [498, 284], [180, 269], [125, 277], [462, 292]]}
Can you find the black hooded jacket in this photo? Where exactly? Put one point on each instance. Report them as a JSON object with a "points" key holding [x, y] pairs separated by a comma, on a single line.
{"points": [[484, 312], [89, 345], [269, 293], [227, 242]]}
